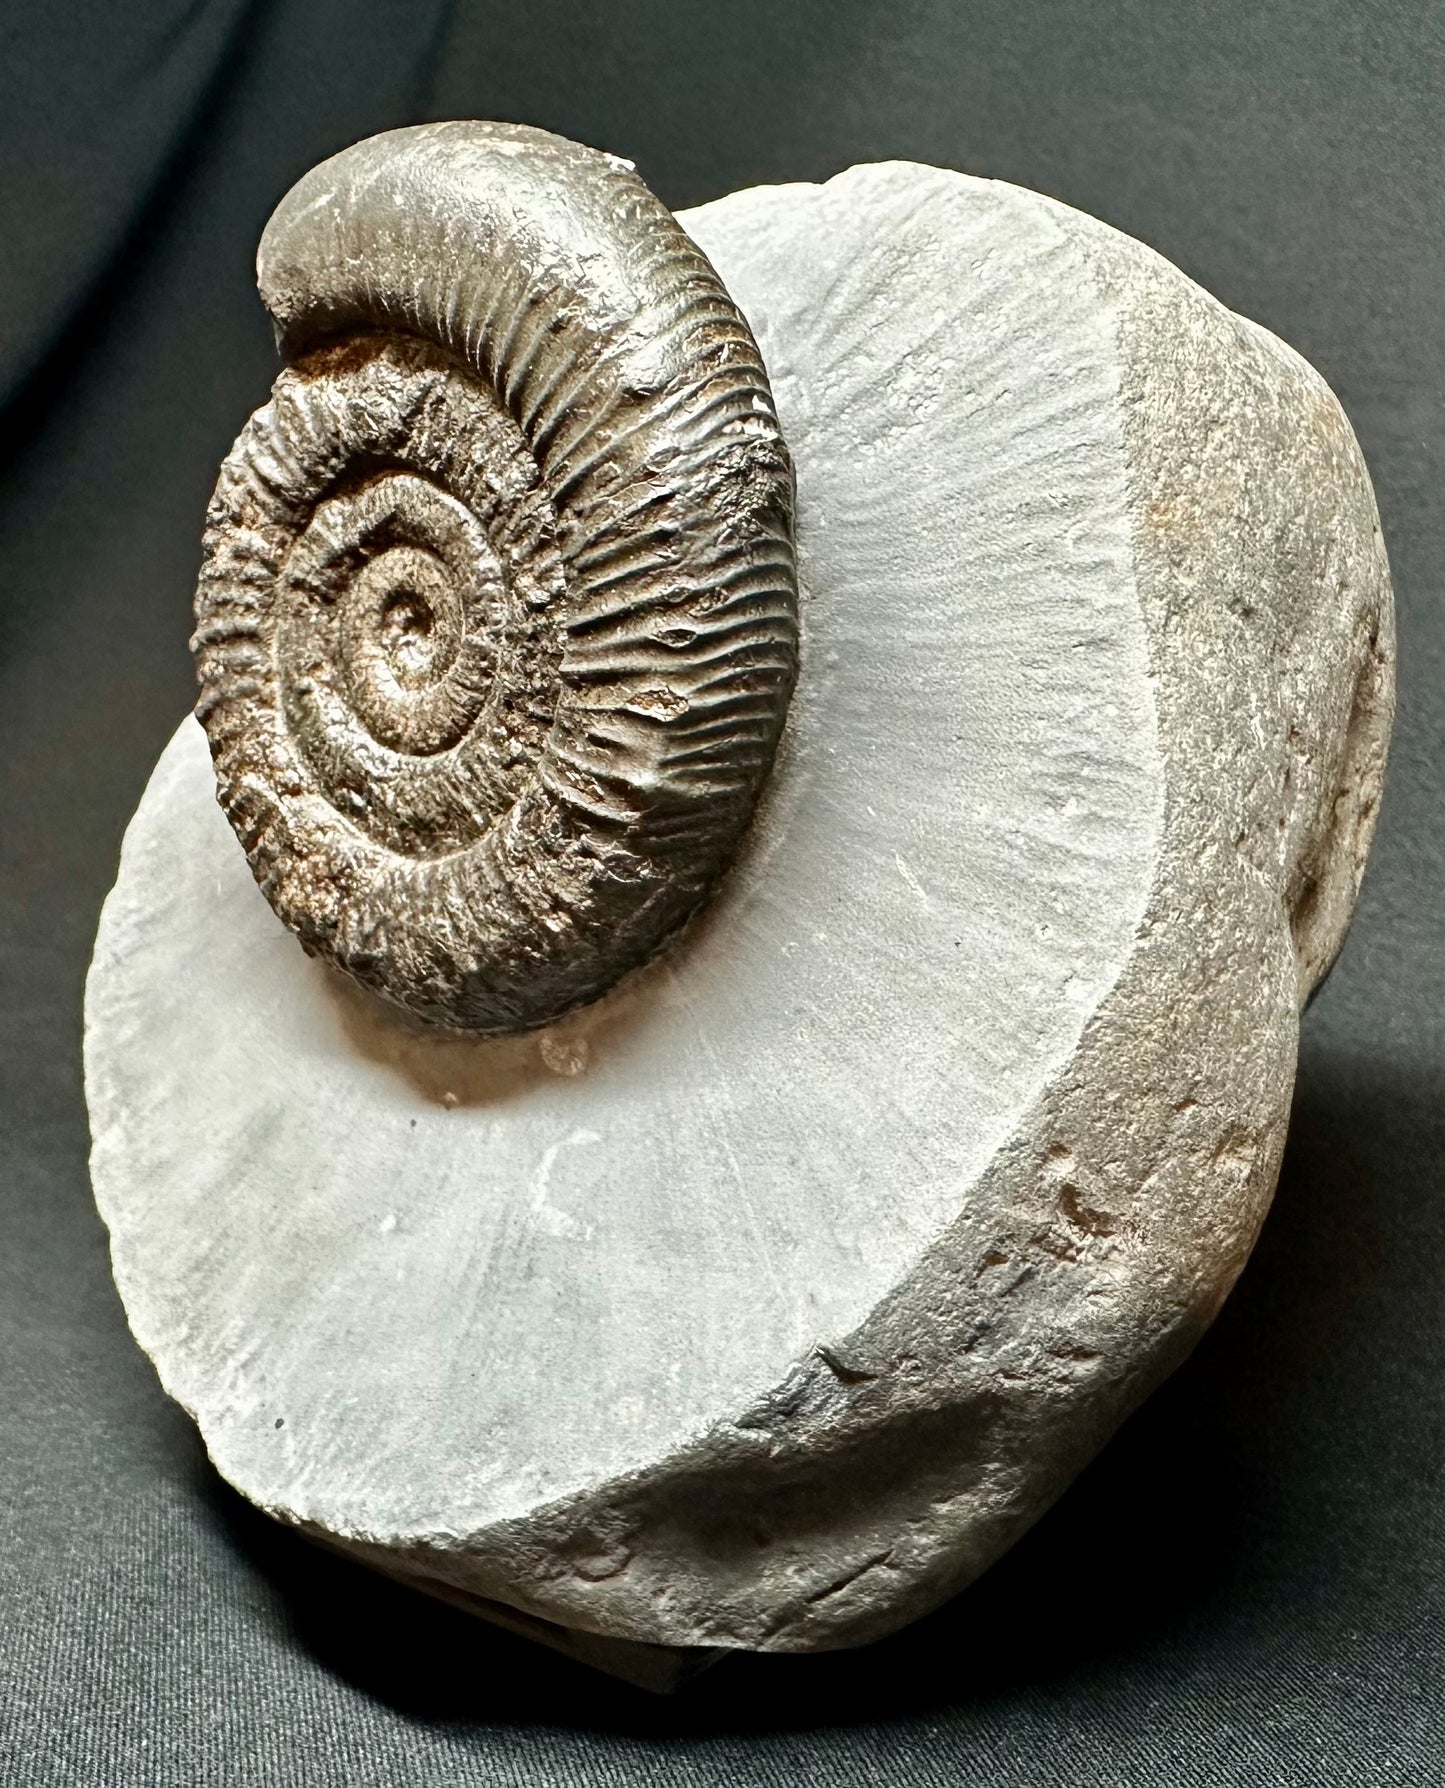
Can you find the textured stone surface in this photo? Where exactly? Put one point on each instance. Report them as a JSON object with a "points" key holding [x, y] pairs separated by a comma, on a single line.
{"points": [[766, 1301]]}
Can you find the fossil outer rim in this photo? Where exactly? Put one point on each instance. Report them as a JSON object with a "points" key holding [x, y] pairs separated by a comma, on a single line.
{"points": [[497, 619]]}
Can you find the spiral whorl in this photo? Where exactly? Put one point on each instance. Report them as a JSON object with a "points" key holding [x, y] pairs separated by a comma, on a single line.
{"points": [[497, 621]]}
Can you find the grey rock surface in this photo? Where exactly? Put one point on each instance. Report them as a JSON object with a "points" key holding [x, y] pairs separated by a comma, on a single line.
{"points": [[764, 1302]]}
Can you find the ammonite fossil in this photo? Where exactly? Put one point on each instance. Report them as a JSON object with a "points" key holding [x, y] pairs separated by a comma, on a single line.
{"points": [[765, 1312], [497, 621]]}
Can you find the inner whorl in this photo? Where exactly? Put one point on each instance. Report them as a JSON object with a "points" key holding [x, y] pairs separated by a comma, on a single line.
{"points": [[497, 620]]}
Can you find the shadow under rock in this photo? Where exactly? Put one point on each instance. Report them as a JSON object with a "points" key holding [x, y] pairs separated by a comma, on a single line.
{"points": [[1204, 1512]]}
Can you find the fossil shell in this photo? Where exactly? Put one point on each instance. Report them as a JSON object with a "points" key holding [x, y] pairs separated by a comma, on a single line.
{"points": [[765, 1301], [497, 621]]}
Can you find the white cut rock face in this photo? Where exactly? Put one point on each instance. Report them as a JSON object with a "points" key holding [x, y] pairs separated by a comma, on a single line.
{"points": [[765, 1302]]}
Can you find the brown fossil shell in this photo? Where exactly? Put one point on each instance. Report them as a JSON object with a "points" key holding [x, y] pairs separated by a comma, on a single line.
{"points": [[497, 620]]}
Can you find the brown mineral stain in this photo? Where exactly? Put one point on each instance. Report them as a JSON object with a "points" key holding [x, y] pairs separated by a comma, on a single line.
{"points": [[1084, 1216], [450, 1069]]}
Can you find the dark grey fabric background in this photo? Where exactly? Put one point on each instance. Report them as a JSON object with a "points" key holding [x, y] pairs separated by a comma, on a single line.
{"points": [[1247, 1587]]}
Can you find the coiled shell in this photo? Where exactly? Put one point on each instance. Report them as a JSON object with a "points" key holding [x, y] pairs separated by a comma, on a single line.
{"points": [[497, 620]]}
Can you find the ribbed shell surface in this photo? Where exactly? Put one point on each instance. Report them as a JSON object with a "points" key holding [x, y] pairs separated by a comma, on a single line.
{"points": [[497, 621]]}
